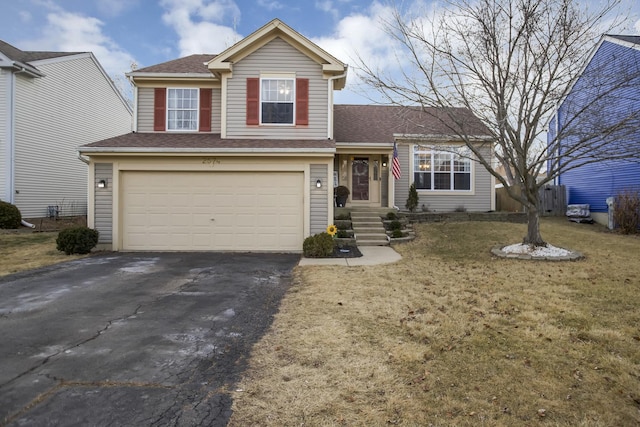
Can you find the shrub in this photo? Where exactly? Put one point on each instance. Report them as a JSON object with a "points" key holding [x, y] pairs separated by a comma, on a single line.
{"points": [[344, 225], [340, 217], [77, 240], [412, 200], [318, 246], [460, 209], [626, 212], [392, 215], [343, 234], [396, 234], [395, 225], [10, 216]]}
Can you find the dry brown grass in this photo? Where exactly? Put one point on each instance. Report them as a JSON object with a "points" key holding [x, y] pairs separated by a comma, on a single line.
{"points": [[452, 336], [26, 250]]}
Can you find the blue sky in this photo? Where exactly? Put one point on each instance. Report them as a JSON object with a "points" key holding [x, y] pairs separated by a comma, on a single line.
{"points": [[147, 32]]}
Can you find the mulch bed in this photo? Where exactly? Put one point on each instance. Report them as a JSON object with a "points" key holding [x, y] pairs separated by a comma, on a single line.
{"points": [[346, 251]]}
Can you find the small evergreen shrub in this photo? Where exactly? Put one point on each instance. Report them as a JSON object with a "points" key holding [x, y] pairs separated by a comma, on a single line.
{"points": [[10, 216], [318, 246], [342, 217], [77, 240], [626, 211], [342, 225], [395, 225], [396, 234], [343, 234], [412, 200], [392, 215], [460, 209]]}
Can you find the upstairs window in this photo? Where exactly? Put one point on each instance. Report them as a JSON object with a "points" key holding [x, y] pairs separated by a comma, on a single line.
{"points": [[182, 109], [448, 170], [277, 101]]}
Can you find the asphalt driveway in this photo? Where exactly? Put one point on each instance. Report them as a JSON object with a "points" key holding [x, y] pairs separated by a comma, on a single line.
{"points": [[134, 339]]}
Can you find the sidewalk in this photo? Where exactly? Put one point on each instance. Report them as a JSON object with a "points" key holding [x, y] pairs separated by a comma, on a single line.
{"points": [[371, 255]]}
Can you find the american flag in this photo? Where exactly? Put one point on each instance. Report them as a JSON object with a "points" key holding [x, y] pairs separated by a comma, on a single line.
{"points": [[395, 165]]}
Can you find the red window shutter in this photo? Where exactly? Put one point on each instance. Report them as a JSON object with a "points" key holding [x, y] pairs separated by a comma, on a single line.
{"points": [[159, 108], [302, 101], [205, 110], [253, 101]]}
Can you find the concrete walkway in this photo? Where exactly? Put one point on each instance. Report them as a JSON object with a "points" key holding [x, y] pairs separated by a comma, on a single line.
{"points": [[371, 255]]}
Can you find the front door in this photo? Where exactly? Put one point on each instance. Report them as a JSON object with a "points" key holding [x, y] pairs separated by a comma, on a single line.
{"points": [[365, 180]]}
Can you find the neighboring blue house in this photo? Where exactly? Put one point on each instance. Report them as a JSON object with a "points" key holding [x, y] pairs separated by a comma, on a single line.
{"points": [[605, 97]]}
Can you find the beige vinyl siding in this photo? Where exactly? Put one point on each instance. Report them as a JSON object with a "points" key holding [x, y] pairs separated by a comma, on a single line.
{"points": [[103, 211], [5, 135], [74, 104], [401, 185], [145, 109], [478, 201], [277, 56], [319, 198]]}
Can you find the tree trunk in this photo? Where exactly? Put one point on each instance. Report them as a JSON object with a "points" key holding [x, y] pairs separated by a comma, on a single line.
{"points": [[533, 237]]}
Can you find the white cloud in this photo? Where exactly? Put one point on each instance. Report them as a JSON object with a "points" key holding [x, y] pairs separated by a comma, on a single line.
{"points": [[113, 8], [362, 38], [25, 16], [71, 32], [327, 6], [271, 4], [198, 24]]}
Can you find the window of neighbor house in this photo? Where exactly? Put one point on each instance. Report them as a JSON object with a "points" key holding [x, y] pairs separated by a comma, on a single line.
{"points": [[277, 101], [447, 169], [182, 109]]}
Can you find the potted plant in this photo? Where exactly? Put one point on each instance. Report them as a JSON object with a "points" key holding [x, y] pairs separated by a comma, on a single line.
{"points": [[341, 194]]}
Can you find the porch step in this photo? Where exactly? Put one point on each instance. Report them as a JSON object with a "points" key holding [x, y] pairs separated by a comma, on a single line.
{"points": [[368, 228]]}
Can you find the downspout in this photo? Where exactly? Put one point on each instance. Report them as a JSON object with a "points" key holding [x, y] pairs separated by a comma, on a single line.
{"points": [[330, 103], [11, 152]]}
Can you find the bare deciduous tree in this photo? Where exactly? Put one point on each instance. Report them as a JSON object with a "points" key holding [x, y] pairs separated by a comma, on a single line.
{"points": [[511, 63]]}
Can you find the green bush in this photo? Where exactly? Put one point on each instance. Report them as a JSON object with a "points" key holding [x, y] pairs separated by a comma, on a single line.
{"points": [[10, 216], [395, 225], [343, 225], [343, 234], [392, 215], [77, 240], [318, 246], [342, 217], [626, 212], [396, 234], [412, 200]]}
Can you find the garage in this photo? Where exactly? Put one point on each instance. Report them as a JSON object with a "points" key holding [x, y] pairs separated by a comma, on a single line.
{"points": [[222, 211]]}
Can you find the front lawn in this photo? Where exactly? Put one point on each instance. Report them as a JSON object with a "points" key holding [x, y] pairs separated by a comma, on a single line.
{"points": [[27, 250], [453, 336]]}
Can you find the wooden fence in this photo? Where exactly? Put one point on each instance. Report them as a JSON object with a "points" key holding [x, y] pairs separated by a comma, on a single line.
{"points": [[553, 201]]}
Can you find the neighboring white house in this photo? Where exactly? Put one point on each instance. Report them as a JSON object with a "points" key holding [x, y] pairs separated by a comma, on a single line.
{"points": [[50, 104]]}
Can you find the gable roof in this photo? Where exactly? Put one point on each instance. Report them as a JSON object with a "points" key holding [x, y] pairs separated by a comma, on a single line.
{"points": [[192, 64], [276, 28], [22, 59], [384, 123]]}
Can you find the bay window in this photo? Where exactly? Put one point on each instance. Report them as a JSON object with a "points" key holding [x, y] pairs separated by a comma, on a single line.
{"points": [[447, 169]]}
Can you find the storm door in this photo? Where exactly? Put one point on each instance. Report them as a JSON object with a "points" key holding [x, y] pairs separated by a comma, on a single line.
{"points": [[360, 178]]}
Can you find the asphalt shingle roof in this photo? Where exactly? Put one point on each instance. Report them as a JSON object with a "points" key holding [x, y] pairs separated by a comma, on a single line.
{"points": [[378, 123], [203, 141], [629, 39], [188, 64], [25, 56]]}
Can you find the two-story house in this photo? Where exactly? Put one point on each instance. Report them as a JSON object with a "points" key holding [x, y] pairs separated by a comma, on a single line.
{"points": [[50, 103], [241, 151], [603, 100]]}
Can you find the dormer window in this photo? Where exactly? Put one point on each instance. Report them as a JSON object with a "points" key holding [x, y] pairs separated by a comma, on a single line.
{"points": [[182, 109], [277, 101]]}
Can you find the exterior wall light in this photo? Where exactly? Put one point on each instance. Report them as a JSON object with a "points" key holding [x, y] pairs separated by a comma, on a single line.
{"points": [[102, 184], [319, 183], [384, 164]]}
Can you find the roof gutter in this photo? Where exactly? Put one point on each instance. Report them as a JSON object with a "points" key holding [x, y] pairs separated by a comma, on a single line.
{"points": [[330, 81], [19, 67]]}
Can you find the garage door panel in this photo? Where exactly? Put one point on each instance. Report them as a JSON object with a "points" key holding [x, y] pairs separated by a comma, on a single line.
{"points": [[212, 211]]}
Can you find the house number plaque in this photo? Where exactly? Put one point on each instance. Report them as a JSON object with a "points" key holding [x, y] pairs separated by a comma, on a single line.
{"points": [[211, 161]]}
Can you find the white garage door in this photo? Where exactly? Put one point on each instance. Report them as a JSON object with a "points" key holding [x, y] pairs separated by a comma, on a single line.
{"points": [[230, 211]]}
